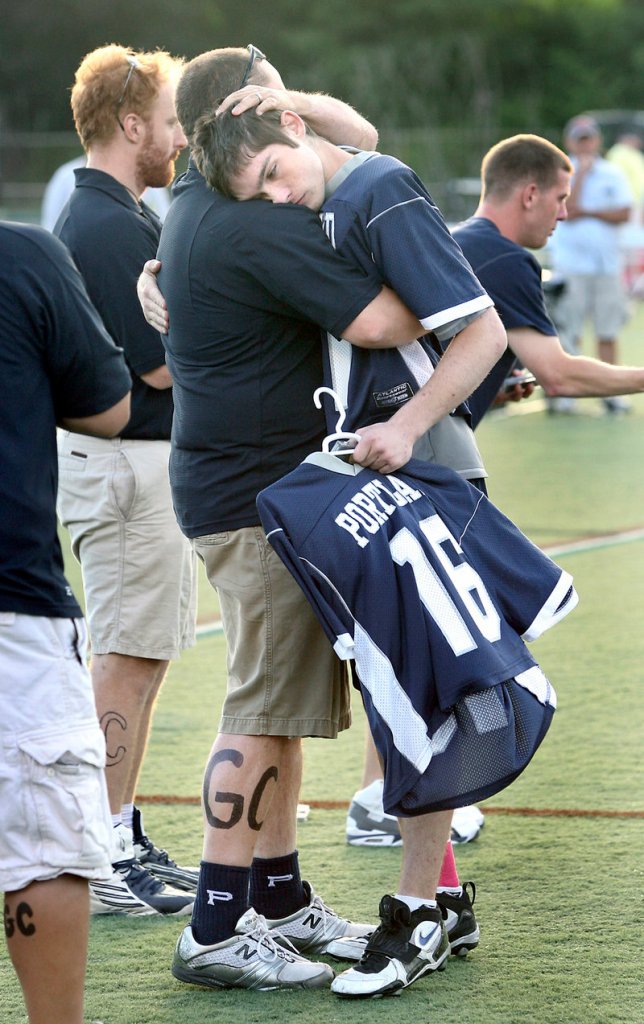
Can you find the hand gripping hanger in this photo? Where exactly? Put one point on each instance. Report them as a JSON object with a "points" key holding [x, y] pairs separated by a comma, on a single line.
{"points": [[338, 435]]}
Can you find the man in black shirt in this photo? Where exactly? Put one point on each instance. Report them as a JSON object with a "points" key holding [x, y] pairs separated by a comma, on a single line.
{"points": [[59, 367], [138, 568]]}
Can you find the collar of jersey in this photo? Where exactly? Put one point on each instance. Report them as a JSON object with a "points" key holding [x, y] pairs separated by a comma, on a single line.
{"points": [[326, 460], [360, 156]]}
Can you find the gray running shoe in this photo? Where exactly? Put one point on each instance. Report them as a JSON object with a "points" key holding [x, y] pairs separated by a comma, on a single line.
{"points": [[251, 959], [407, 945], [369, 825], [311, 929], [159, 863]]}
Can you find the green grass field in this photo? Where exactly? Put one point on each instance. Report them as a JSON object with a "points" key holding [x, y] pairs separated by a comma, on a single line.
{"points": [[559, 863]]}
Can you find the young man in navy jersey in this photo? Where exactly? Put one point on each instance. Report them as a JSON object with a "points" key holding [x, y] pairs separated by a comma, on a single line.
{"points": [[59, 367]]}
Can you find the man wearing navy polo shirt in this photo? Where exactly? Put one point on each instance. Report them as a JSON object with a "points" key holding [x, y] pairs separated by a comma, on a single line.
{"points": [[58, 367], [138, 568], [525, 184]]}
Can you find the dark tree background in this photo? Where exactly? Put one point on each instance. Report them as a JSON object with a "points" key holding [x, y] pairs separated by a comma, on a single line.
{"points": [[442, 79]]}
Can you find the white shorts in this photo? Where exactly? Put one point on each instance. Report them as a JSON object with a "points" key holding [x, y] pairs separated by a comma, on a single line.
{"points": [[55, 813]]}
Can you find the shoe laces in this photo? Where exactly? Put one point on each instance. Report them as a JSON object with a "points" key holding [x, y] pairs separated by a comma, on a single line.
{"points": [[146, 882], [268, 948], [160, 856]]}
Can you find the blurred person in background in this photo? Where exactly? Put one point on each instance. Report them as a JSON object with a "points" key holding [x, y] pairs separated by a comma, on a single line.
{"points": [[586, 251]]}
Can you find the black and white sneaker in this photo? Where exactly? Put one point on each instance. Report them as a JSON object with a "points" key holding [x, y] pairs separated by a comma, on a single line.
{"points": [[158, 862], [458, 914], [406, 945], [131, 889]]}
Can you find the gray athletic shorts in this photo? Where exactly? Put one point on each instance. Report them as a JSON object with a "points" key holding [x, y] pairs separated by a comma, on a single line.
{"points": [[138, 568], [284, 678], [597, 297], [55, 813]]}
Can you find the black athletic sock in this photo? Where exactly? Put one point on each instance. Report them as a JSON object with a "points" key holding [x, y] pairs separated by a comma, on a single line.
{"points": [[222, 898], [276, 888]]}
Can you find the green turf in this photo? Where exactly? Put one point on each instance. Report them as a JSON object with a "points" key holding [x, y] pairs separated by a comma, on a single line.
{"points": [[559, 896]]}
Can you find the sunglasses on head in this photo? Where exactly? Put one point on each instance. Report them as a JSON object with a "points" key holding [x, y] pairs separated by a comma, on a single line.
{"points": [[254, 55]]}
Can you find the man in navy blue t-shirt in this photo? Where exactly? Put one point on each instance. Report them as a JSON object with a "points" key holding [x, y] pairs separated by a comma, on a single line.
{"points": [[525, 184], [59, 367], [244, 285]]}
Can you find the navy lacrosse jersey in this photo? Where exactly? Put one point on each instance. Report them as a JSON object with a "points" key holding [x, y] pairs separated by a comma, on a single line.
{"points": [[432, 591], [379, 212]]}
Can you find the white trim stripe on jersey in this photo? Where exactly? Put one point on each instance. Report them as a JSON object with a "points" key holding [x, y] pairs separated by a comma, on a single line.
{"points": [[554, 609], [376, 674], [445, 316], [536, 682]]}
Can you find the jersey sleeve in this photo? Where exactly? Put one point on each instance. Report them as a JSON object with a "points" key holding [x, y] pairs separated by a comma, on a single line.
{"points": [[513, 280], [285, 248], [416, 254]]}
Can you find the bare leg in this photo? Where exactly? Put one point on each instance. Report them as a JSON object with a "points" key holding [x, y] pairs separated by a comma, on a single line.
{"points": [[607, 350], [125, 690], [424, 840], [371, 769], [242, 776], [47, 926], [279, 833]]}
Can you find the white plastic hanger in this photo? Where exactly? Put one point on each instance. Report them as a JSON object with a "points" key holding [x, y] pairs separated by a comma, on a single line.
{"points": [[350, 440]]}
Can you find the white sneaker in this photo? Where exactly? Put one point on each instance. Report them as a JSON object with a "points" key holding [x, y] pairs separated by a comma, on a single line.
{"points": [[250, 959], [467, 822], [132, 889], [367, 822], [311, 929], [407, 945]]}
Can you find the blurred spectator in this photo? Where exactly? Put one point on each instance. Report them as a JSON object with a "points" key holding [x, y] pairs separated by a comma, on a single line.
{"points": [[627, 154], [586, 247]]}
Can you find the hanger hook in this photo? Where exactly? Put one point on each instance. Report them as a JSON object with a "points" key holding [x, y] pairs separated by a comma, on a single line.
{"points": [[342, 415]]}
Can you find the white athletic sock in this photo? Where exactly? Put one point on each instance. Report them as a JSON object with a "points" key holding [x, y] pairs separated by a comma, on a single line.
{"points": [[416, 902], [127, 814]]}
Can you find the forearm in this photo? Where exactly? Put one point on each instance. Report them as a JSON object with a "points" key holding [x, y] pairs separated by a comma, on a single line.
{"points": [[336, 120], [563, 375], [583, 377], [467, 361]]}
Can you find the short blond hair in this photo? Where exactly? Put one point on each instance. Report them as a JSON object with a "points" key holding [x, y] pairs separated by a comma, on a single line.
{"points": [[99, 97]]}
